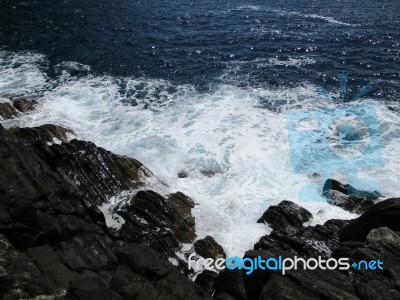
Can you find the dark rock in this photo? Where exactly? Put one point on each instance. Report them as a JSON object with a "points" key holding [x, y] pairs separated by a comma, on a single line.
{"points": [[48, 263], [295, 284], [382, 214], [91, 288], [319, 240], [132, 285], [159, 222], [285, 216], [98, 172], [47, 133], [230, 283], [24, 104], [381, 244], [348, 197], [7, 111], [352, 204], [306, 284], [206, 280], [183, 174], [88, 251], [224, 296], [53, 240], [167, 281], [359, 243], [208, 173], [255, 281], [209, 248], [19, 277], [183, 205], [279, 287]]}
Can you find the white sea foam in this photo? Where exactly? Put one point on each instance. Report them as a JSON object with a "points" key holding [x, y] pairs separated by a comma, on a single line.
{"points": [[289, 13], [309, 16], [292, 61], [20, 73], [175, 128]]}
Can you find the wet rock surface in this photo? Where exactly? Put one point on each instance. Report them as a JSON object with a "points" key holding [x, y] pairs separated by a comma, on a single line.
{"points": [[7, 111], [24, 104], [372, 236], [286, 216], [162, 223], [382, 214], [348, 197], [209, 248], [53, 240], [47, 133], [16, 106]]}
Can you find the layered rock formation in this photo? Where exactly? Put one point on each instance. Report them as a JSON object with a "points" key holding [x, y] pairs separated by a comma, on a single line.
{"points": [[53, 240], [372, 236], [16, 106]]}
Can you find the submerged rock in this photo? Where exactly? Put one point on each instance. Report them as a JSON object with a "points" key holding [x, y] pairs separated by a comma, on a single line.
{"points": [[24, 104], [17, 105], [7, 111], [183, 174]]}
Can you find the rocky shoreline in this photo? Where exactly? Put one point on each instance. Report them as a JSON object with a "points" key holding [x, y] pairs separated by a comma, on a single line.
{"points": [[55, 244]]}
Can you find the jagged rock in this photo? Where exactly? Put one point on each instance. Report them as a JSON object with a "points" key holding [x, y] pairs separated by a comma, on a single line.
{"points": [[183, 205], [91, 288], [19, 277], [47, 261], [97, 171], [209, 248], [382, 214], [359, 242], [93, 252], [255, 281], [306, 284], [206, 280], [279, 287], [300, 284], [230, 285], [285, 216], [23, 104], [159, 222], [7, 111], [46, 133], [348, 197], [319, 240], [352, 204], [54, 245], [167, 282], [383, 244]]}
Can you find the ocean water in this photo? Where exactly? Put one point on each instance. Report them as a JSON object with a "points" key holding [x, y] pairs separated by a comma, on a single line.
{"points": [[205, 87]]}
